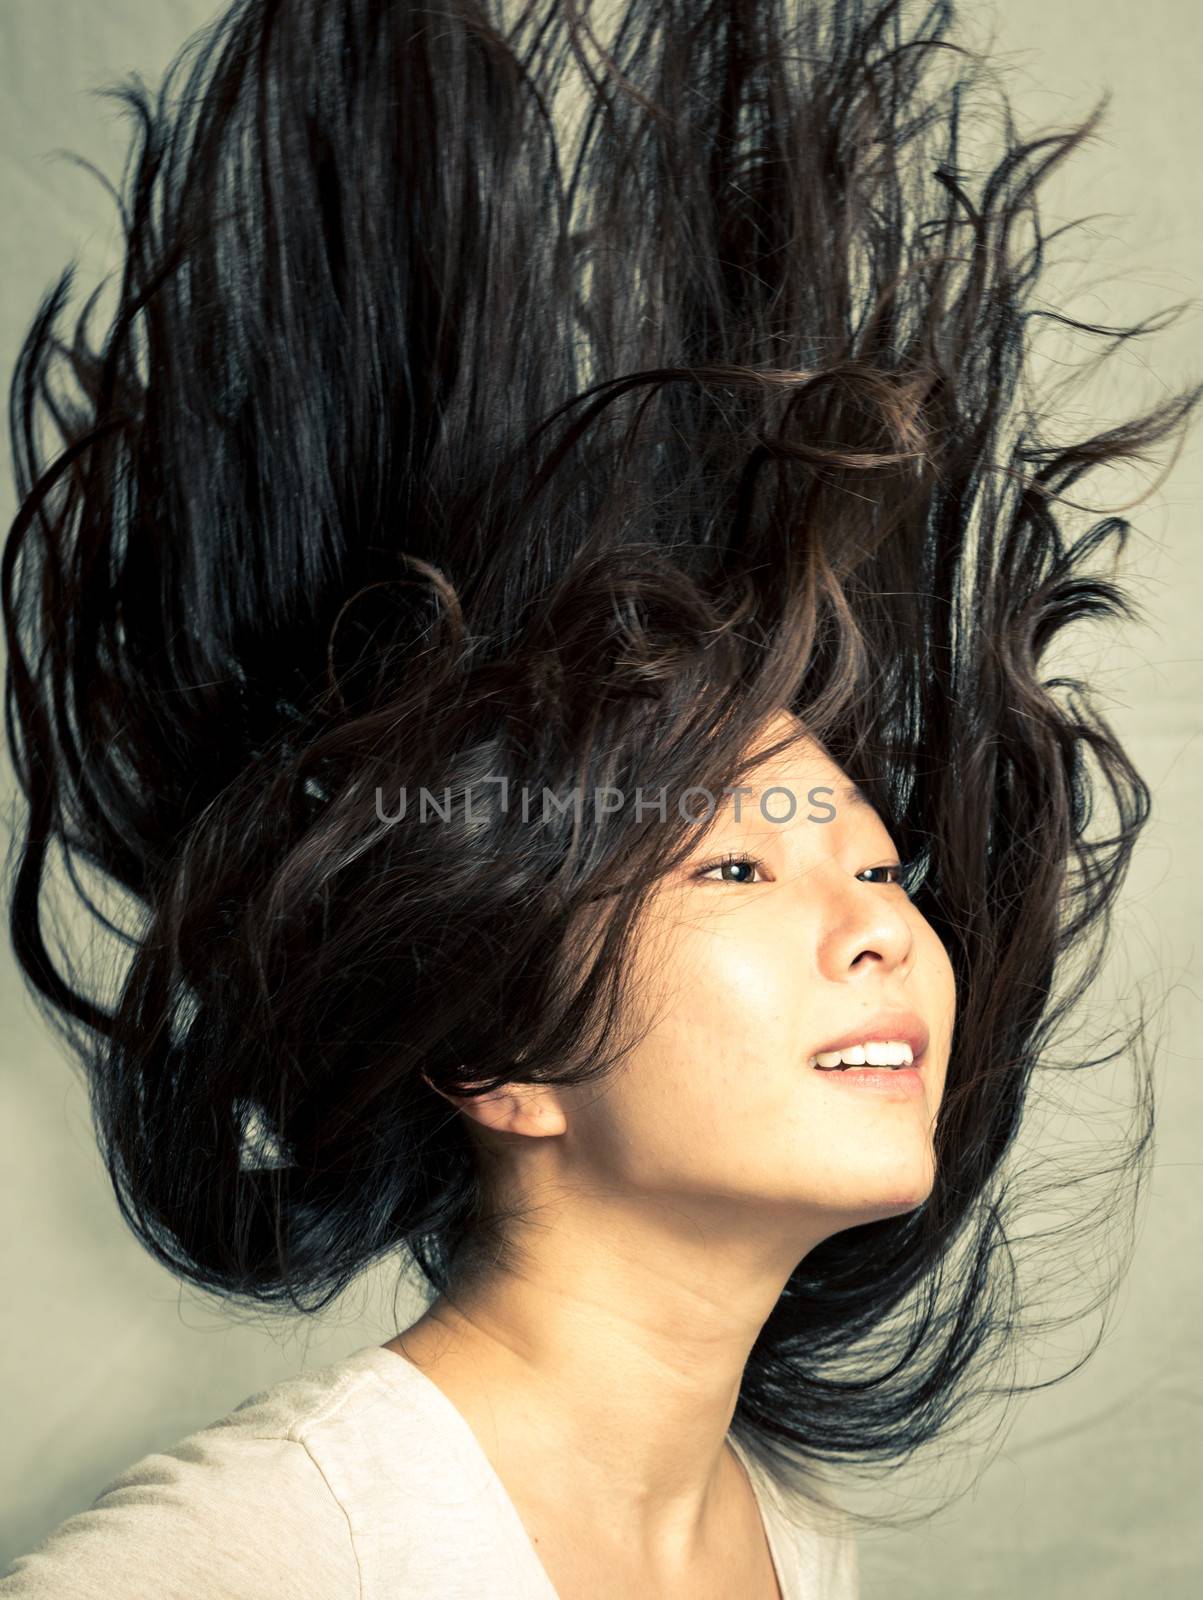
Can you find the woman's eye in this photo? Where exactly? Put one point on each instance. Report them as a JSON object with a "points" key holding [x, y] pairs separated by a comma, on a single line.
{"points": [[735, 868], [732, 869], [900, 869]]}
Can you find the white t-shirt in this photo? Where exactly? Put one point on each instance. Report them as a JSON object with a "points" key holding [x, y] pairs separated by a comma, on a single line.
{"points": [[359, 1479]]}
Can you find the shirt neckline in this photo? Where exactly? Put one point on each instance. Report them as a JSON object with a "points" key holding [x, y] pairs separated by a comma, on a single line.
{"points": [[398, 1369]]}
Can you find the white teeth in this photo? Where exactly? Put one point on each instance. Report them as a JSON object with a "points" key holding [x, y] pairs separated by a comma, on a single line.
{"points": [[873, 1053]]}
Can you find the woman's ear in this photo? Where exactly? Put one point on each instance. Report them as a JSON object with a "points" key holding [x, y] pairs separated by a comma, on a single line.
{"points": [[528, 1108]]}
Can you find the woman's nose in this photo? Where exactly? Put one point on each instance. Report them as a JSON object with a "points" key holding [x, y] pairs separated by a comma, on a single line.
{"points": [[863, 931]]}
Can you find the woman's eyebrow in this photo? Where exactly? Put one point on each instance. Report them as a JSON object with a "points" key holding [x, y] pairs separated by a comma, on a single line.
{"points": [[856, 796]]}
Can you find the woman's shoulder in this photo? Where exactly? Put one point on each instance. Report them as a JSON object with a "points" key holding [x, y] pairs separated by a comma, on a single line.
{"points": [[259, 1502]]}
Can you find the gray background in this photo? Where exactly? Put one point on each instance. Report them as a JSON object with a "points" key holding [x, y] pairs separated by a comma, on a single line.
{"points": [[1094, 1490]]}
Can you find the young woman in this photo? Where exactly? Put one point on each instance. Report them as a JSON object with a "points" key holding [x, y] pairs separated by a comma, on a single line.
{"points": [[538, 599]]}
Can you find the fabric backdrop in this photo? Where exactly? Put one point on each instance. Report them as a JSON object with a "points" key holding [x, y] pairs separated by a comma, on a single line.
{"points": [[1094, 1489]]}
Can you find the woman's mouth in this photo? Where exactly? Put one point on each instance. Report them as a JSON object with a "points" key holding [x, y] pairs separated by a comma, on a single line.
{"points": [[888, 1065], [889, 1054]]}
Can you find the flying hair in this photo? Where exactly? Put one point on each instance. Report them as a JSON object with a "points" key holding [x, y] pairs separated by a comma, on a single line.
{"points": [[508, 392]]}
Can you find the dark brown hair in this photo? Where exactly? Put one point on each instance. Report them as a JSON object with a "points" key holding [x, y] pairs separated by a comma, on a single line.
{"points": [[430, 447]]}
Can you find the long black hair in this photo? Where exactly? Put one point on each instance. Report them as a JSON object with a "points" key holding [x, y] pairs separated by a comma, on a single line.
{"points": [[458, 429]]}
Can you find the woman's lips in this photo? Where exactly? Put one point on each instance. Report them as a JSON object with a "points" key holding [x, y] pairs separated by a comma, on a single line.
{"points": [[879, 1026], [896, 1083]]}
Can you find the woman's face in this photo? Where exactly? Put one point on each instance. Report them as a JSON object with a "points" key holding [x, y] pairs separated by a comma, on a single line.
{"points": [[746, 972]]}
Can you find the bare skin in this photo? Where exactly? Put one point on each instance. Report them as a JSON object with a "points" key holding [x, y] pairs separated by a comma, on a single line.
{"points": [[665, 1209], [585, 1558]]}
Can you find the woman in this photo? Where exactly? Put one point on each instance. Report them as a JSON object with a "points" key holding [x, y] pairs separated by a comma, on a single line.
{"points": [[541, 605]]}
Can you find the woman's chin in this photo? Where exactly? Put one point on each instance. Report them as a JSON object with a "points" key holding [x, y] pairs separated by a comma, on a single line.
{"points": [[883, 1195]]}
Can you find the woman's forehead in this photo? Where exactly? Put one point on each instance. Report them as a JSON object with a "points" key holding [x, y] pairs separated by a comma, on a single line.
{"points": [[803, 754]]}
